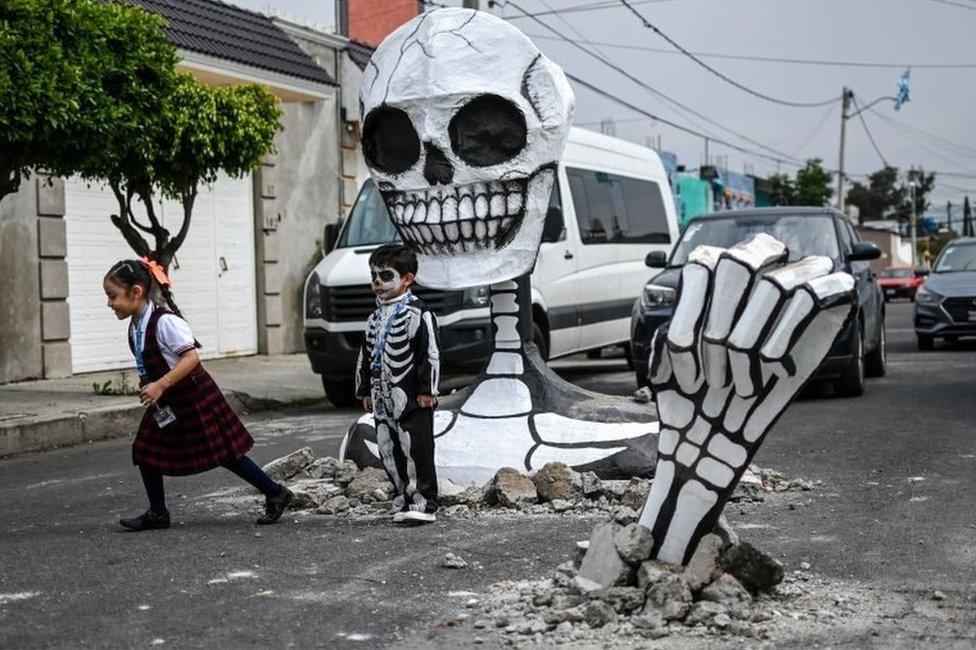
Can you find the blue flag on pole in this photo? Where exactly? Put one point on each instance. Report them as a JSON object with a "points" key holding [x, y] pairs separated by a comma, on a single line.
{"points": [[904, 93]]}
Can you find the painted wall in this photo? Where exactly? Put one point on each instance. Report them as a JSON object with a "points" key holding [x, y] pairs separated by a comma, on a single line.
{"points": [[370, 21], [20, 310], [694, 197], [308, 197]]}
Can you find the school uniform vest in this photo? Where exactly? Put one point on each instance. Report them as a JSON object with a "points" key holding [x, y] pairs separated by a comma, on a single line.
{"points": [[206, 433]]}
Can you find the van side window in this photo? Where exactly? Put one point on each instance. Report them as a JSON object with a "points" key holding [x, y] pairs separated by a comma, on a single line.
{"points": [[554, 217], [617, 209]]}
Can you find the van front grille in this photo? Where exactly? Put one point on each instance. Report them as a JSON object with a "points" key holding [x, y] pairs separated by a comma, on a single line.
{"points": [[356, 302]]}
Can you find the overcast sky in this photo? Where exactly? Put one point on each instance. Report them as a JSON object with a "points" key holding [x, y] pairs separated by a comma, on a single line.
{"points": [[920, 32]]}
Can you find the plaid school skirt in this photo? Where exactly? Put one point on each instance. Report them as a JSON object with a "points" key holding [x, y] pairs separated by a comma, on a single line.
{"points": [[206, 433]]}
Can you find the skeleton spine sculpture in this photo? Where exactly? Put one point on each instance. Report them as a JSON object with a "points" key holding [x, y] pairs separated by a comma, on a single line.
{"points": [[465, 124]]}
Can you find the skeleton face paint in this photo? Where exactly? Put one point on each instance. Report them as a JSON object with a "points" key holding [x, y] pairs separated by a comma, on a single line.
{"points": [[465, 122], [387, 282]]}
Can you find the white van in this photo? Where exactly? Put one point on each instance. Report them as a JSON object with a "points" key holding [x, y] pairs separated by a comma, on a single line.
{"points": [[612, 205]]}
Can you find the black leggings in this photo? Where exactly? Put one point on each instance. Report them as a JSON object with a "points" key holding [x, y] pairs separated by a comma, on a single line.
{"points": [[244, 467]]}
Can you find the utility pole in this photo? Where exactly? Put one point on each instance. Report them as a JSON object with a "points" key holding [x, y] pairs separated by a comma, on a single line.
{"points": [[912, 182], [949, 216], [846, 97], [706, 152]]}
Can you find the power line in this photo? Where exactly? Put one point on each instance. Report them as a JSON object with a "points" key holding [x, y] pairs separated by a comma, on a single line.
{"points": [[721, 75], [768, 59], [816, 129], [963, 150], [605, 4], [782, 156], [955, 4], [860, 115]]}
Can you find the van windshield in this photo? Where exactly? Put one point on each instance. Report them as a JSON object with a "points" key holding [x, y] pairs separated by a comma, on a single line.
{"points": [[369, 223], [803, 235]]}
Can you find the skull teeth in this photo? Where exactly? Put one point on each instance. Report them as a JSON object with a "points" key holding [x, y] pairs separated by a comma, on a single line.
{"points": [[480, 216]]}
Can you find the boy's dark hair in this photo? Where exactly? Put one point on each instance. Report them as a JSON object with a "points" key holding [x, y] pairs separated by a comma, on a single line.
{"points": [[395, 256]]}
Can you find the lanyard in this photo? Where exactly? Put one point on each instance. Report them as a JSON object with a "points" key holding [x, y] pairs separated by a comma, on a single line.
{"points": [[383, 332], [139, 343]]}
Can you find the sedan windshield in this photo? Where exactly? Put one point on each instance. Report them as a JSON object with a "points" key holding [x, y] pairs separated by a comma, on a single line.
{"points": [[803, 235], [369, 223], [957, 257]]}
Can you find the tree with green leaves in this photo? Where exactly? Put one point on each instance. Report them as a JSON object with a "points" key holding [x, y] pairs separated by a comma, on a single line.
{"points": [[72, 71], [198, 132], [782, 190], [813, 184], [886, 196]]}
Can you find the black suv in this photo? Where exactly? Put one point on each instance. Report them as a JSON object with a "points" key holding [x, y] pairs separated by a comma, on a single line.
{"points": [[945, 306], [860, 348]]}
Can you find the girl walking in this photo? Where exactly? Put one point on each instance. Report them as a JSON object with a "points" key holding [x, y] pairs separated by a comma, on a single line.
{"points": [[188, 426]]}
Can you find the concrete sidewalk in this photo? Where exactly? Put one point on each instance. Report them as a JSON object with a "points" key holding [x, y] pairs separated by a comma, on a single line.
{"points": [[37, 415]]}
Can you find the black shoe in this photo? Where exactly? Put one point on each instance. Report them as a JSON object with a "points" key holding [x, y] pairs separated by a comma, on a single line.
{"points": [[275, 506], [148, 521]]}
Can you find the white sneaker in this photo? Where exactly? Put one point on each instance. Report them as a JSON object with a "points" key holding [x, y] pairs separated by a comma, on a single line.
{"points": [[414, 517]]}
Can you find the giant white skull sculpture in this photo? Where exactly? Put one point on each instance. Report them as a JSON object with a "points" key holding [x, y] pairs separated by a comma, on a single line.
{"points": [[464, 123]]}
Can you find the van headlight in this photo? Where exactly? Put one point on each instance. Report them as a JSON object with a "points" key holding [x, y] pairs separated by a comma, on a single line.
{"points": [[927, 296], [654, 295], [477, 296], [313, 296]]}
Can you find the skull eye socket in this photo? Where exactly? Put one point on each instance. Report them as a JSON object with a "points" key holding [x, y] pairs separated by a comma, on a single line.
{"points": [[487, 130], [390, 143]]}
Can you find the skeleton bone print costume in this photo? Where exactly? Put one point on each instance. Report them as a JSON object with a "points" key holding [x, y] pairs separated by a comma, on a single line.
{"points": [[408, 365]]}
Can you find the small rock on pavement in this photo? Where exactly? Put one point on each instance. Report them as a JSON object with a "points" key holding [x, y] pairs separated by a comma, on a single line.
{"points": [[453, 561], [561, 505], [284, 468], [557, 481], [750, 486], [643, 395], [449, 493], [634, 543], [703, 561], [334, 505], [670, 596], [704, 613], [757, 571], [938, 595], [509, 488], [624, 600], [598, 613], [728, 591], [364, 486], [592, 485], [323, 467], [602, 564]]}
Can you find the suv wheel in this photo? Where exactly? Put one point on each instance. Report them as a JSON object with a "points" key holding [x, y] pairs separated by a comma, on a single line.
{"points": [[876, 362], [851, 383], [340, 392], [925, 342]]}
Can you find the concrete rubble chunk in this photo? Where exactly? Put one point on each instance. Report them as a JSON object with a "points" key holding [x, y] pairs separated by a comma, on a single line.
{"points": [[557, 481], [449, 493], [602, 564], [284, 468], [598, 613], [510, 489], [453, 561], [592, 485], [634, 543], [670, 595], [704, 613], [750, 487], [323, 467], [624, 600], [728, 591], [635, 494], [585, 585], [651, 571], [561, 505], [334, 505], [311, 493], [704, 562], [369, 481], [757, 571], [581, 548], [345, 472]]}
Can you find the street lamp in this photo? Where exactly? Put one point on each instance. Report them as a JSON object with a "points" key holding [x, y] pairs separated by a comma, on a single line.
{"points": [[913, 175]]}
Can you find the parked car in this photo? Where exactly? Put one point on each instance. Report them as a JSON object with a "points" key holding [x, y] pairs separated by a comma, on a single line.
{"points": [[899, 282], [945, 306], [612, 201], [860, 348]]}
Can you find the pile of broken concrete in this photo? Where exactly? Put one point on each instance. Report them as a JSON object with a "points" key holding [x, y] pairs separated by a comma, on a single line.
{"points": [[332, 487], [614, 585]]}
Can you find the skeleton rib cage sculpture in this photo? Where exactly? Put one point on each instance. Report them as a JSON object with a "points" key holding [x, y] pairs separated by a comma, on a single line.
{"points": [[465, 121]]}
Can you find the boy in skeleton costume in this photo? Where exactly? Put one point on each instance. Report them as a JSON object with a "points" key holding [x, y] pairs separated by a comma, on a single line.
{"points": [[399, 368], [465, 123]]}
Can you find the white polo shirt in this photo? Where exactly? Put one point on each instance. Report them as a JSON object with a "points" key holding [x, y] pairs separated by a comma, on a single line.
{"points": [[173, 334]]}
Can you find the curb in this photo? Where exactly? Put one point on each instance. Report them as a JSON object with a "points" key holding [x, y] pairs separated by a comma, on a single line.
{"points": [[106, 423]]}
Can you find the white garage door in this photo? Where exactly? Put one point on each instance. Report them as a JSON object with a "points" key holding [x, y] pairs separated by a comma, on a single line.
{"points": [[213, 274]]}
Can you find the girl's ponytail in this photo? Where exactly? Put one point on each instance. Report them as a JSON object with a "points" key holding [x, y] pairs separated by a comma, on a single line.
{"points": [[167, 295]]}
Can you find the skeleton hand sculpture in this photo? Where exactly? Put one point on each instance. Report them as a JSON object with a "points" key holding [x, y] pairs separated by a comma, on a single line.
{"points": [[744, 338]]}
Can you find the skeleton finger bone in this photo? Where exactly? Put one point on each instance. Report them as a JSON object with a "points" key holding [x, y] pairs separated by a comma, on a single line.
{"points": [[684, 333]]}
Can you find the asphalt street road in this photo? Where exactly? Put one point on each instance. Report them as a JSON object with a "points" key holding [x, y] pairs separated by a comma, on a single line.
{"points": [[895, 511]]}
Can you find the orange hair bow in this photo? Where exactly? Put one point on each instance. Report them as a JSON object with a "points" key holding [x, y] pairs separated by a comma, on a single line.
{"points": [[156, 271]]}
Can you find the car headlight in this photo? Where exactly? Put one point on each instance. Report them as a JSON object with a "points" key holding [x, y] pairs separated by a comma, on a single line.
{"points": [[477, 296], [313, 296], [927, 296], [654, 295]]}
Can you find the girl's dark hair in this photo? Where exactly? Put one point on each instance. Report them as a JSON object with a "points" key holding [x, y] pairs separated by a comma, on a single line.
{"points": [[129, 273]]}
